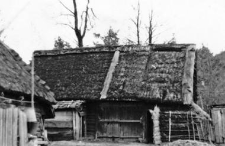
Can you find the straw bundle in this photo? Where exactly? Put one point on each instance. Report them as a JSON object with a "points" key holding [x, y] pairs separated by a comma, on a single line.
{"points": [[156, 129]]}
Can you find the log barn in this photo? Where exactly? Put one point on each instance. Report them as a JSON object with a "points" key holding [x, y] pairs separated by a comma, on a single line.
{"points": [[121, 85], [15, 96]]}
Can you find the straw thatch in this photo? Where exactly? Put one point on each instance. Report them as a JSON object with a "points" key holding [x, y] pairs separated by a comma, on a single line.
{"points": [[78, 105], [154, 73], [15, 77]]}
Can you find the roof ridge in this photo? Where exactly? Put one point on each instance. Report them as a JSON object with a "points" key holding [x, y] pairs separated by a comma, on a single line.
{"points": [[121, 48]]}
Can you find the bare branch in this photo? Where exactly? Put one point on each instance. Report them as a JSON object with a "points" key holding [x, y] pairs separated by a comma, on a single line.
{"points": [[66, 7], [67, 15], [86, 19], [68, 25], [93, 13]]}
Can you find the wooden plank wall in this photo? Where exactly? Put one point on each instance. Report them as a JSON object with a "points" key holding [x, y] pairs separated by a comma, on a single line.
{"points": [[120, 120], [67, 125], [218, 118], [13, 123]]}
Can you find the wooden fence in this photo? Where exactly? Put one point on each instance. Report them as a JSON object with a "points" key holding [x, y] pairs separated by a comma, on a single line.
{"points": [[185, 125], [13, 127]]}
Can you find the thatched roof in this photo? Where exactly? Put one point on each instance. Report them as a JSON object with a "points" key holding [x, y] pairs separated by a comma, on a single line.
{"points": [[15, 76], [155, 73]]}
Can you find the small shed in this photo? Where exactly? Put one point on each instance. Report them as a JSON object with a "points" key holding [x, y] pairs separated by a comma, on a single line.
{"points": [[121, 84], [15, 92], [68, 122]]}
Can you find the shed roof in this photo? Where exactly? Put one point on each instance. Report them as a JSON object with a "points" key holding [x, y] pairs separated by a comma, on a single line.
{"points": [[15, 76], [77, 104], [155, 73]]}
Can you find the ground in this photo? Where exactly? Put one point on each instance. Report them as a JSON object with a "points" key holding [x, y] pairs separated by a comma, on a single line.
{"points": [[81, 143], [175, 143]]}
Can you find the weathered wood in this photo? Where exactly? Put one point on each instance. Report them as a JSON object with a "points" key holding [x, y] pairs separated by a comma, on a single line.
{"points": [[188, 127], [74, 125], [118, 137], [9, 126], [199, 111], [1, 125], [223, 123], [81, 127], [216, 121], [120, 121], [192, 122], [187, 82], [77, 129], [109, 75], [60, 134], [21, 128], [63, 116], [169, 126], [15, 126], [59, 124]]}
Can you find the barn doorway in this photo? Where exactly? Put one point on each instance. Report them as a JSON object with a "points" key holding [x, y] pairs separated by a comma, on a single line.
{"points": [[149, 128], [120, 121]]}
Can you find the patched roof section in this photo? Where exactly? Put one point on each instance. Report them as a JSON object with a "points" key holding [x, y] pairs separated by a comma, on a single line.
{"points": [[154, 73], [15, 76]]}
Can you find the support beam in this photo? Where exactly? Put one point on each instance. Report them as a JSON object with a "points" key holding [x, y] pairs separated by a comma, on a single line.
{"points": [[110, 74], [188, 76]]}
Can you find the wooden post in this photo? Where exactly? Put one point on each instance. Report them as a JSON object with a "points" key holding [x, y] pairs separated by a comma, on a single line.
{"points": [[187, 81], [209, 135], [85, 126], [199, 138], [1, 125], [193, 125], [170, 126], [188, 126], [15, 126], [77, 126], [80, 129], [203, 134], [74, 125]]}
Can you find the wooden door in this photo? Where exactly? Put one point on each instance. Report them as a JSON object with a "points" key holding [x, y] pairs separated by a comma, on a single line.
{"points": [[218, 118], [119, 120]]}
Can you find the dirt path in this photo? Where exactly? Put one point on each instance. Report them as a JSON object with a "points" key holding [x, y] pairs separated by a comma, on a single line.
{"points": [[81, 143]]}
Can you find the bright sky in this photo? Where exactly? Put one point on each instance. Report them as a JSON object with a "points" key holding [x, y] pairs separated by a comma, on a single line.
{"points": [[35, 24]]}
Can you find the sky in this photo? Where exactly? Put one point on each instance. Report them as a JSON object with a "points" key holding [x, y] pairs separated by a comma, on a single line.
{"points": [[34, 24]]}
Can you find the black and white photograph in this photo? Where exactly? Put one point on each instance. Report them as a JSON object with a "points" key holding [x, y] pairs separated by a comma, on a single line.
{"points": [[112, 73]]}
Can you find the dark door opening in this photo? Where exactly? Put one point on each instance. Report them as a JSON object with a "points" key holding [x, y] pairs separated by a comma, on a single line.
{"points": [[149, 128]]}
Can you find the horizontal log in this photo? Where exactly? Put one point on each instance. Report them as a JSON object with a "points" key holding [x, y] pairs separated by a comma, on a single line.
{"points": [[119, 136], [59, 124], [121, 121]]}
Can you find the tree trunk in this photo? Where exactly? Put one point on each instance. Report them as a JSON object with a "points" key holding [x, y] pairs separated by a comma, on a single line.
{"points": [[80, 42]]}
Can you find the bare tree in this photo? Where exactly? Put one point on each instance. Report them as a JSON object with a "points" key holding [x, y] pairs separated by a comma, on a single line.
{"points": [[137, 23], [80, 25], [150, 28]]}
